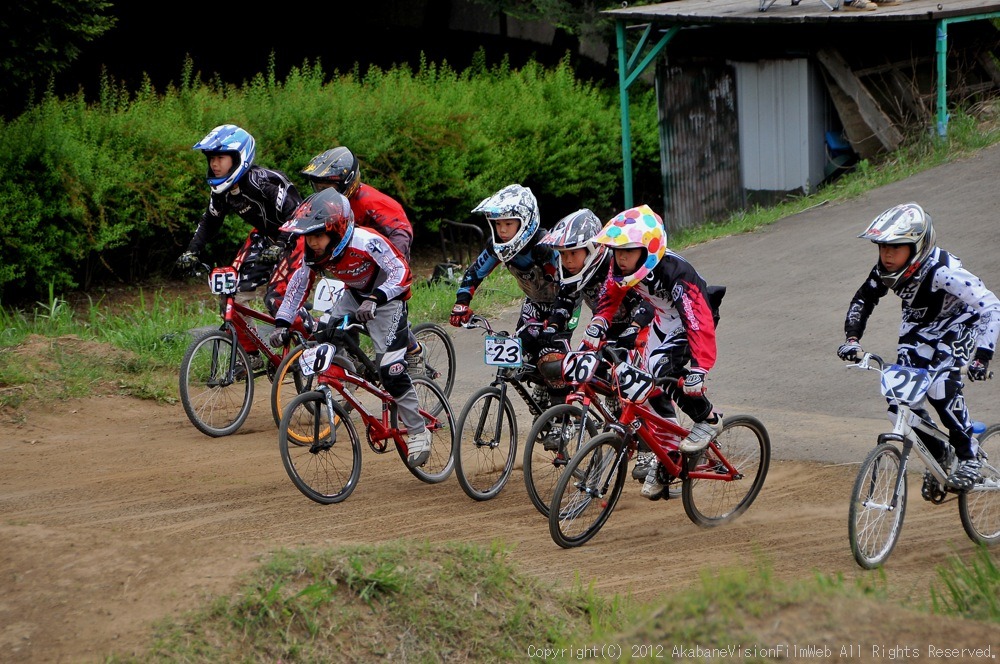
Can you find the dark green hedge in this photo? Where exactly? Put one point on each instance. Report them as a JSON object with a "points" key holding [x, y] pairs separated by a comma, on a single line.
{"points": [[111, 191]]}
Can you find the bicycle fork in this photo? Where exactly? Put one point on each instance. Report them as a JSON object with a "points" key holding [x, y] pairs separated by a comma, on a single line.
{"points": [[322, 445]]}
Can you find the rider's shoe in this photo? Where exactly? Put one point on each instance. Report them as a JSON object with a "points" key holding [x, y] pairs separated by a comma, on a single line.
{"points": [[965, 475], [418, 448], [415, 363], [642, 463], [541, 396], [652, 488], [256, 365], [930, 488], [554, 438], [702, 433]]}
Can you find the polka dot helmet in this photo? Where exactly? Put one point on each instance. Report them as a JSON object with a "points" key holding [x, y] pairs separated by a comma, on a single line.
{"points": [[637, 227]]}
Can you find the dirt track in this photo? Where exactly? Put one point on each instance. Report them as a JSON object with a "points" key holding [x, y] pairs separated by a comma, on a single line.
{"points": [[118, 512]]}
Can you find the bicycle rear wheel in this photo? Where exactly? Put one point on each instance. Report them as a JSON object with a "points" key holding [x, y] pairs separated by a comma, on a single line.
{"points": [[441, 422], [588, 490], [485, 444], [438, 355], [874, 523], [746, 446], [216, 399], [542, 468], [979, 507], [324, 467]]}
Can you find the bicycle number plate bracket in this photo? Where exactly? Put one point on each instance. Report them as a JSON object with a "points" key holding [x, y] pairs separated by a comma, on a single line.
{"points": [[223, 280], [905, 384], [316, 359], [503, 351]]}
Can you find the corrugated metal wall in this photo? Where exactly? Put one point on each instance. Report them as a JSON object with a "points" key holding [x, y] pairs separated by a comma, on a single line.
{"points": [[699, 143]]}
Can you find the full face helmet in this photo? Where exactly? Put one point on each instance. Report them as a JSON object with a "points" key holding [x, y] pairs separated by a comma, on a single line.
{"points": [[326, 211], [577, 231], [337, 168], [903, 224], [234, 141], [635, 228], [511, 202]]}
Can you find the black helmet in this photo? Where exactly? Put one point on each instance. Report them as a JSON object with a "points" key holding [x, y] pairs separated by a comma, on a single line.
{"points": [[326, 211], [337, 167]]}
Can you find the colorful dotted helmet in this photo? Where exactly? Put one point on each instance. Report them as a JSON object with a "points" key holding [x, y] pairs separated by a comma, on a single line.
{"points": [[234, 141], [577, 231], [903, 224], [635, 228], [511, 202], [326, 211]]}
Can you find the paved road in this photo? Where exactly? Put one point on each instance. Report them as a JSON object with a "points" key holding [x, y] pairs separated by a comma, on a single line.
{"points": [[782, 319]]}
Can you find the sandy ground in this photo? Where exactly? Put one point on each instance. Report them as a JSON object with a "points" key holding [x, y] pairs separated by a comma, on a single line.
{"points": [[117, 512]]}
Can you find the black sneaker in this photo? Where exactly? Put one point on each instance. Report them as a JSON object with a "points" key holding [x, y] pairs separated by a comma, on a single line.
{"points": [[965, 475]]}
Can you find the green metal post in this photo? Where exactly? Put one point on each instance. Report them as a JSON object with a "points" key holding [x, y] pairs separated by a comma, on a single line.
{"points": [[626, 124]]}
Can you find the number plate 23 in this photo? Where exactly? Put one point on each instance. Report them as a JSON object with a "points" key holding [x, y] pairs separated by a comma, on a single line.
{"points": [[503, 351]]}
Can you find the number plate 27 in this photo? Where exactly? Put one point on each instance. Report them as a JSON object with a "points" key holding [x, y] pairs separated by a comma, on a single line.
{"points": [[503, 351]]}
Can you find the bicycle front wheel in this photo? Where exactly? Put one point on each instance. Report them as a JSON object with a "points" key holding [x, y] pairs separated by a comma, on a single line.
{"points": [[979, 507], [438, 355], [440, 421], [485, 444], [553, 439], [326, 465], [215, 396], [588, 490], [745, 445], [288, 382], [876, 513]]}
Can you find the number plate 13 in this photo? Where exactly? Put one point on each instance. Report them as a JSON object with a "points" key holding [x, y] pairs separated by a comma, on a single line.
{"points": [[503, 351]]}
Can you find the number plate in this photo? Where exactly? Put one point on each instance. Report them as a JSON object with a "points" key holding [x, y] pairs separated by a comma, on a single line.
{"points": [[632, 384], [905, 384], [579, 367], [503, 351], [316, 359], [223, 280], [328, 291]]}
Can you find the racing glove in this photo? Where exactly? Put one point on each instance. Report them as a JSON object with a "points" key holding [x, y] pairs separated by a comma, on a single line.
{"points": [[460, 314], [849, 350], [279, 337], [979, 367], [366, 311], [187, 260], [694, 383], [626, 340], [593, 337], [272, 253]]}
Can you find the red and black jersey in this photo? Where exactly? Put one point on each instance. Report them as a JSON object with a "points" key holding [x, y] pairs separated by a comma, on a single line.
{"points": [[378, 211]]}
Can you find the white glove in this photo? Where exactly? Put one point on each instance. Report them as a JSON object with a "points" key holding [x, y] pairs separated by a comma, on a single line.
{"points": [[694, 383]]}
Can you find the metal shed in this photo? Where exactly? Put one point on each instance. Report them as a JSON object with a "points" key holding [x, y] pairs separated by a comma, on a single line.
{"points": [[796, 70]]}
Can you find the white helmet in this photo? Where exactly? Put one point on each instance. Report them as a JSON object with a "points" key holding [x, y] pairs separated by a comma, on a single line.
{"points": [[511, 202], [577, 231], [903, 224]]}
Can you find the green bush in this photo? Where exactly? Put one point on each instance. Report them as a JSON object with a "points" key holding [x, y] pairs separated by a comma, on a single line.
{"points": [[111, 190]]}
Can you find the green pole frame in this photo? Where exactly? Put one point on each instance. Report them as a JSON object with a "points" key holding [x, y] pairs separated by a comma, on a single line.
{"points": [[628, 73], [942, 66]]}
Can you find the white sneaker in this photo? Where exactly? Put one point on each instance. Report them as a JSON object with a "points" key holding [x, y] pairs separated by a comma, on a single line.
{"points": [[702, 433], [418, 448], [642, 462], [652, 488]]}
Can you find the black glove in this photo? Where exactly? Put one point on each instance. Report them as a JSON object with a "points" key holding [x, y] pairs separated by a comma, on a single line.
{"points": [[271, 253], [849, 350], [979, 367], [187, 260], [279, 336], [626, 340], [366, 311]]}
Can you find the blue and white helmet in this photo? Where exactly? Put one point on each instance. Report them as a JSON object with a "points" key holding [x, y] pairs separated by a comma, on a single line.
{"points": [[234, 141], [511, 202]]}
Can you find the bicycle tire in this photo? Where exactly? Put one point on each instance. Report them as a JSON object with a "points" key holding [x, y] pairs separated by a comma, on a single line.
{"points": [[485, 449], [441, 421], [593, 478], [325, 471], [979, 507], [746, 445], [216, 403], [873, 526], [439, 355], [288, 381], [542, 468]]}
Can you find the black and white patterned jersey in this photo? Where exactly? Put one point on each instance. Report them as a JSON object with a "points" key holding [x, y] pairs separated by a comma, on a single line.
{"points": [[947, 313], [263, 198]]}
